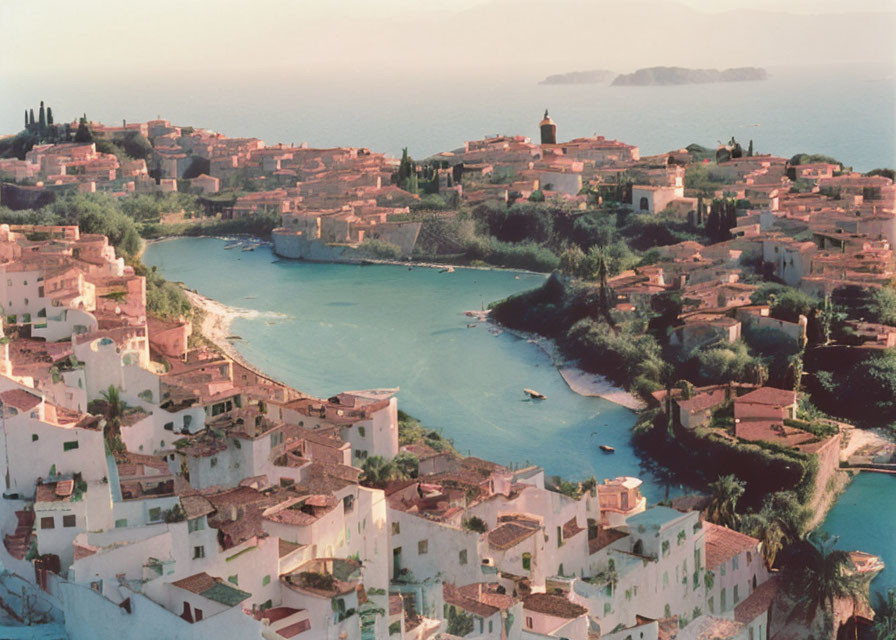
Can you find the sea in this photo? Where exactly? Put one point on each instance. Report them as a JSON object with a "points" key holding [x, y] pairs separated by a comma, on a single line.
{"points": [[326, 328], [848, 112]]}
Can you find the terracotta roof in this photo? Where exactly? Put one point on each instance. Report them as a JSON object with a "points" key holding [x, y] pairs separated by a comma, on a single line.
{"points": [[770, 395], [212, 588], [20, 399], [703, 401], [480, 598], [757, 602], [195, 506], [509, 534], [723, 543], [604, 537], [552, 605]]}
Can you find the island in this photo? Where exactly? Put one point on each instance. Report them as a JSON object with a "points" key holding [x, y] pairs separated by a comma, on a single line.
{"points": [[594, 76], [679, 75]]}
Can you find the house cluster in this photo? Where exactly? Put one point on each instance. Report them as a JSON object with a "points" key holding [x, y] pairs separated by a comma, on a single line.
{"points": [[159, 489]]}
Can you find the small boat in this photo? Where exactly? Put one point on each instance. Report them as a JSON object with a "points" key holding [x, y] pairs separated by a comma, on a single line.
{"points": [[470, 326], [607, 448], [532, 393], [447, 270], [231, 246], [249, 248]]}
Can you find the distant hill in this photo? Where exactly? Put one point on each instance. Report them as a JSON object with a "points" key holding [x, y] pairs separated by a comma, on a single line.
{"points": [[595, 76], [679, 75]]}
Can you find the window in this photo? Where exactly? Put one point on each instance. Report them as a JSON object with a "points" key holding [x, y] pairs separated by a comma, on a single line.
{"points": [[751, 634], [47, 523], [198, 552], [71, 444], [195, 524], [276, 439], [559, 536], [422, 547], [749, 557], [198, 614], [122, 523], [34, 437], [362, 431], [169, 426], [735, 561], [68, 520], [527, 561], [462, 556], [723, 601], [266, 580], [735, 596], [529, 624], [396, 528], [155, 514], [712, 604], [234, 580]]}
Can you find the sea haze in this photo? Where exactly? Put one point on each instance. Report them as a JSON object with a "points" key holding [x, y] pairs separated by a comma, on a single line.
{"points": [[845, 112]]}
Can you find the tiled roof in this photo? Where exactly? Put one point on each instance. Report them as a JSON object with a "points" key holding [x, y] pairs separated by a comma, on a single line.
{"points": [[20, 399], [771, 396], [212, 588], [509, 534], [723, 543], [757, 602], [552, 605]]}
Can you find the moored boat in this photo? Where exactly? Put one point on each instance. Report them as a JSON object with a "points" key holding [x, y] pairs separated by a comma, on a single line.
{"points": [[532, 393]]}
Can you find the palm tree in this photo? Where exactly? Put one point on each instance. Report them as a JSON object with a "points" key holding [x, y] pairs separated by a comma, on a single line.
{"points": [[885, 616], [726, 491], [376, 471], [766, 527], [817, 576], [115, 407]]}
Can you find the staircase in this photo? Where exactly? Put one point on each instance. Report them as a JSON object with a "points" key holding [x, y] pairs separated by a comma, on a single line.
{"points": [[19, 542]]}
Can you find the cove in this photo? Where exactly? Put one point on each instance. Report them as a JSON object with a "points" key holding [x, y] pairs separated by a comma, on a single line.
{"points": [[325, 328]]}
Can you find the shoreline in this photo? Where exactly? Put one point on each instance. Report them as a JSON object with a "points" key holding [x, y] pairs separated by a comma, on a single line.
{"points": [[423, 264], [217, 318], [586, 384]]}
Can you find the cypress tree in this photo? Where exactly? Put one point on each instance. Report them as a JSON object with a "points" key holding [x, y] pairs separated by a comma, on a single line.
{"points": [[42, 118], [26, 118], [50, 116], [31, 113], [750, 149]]}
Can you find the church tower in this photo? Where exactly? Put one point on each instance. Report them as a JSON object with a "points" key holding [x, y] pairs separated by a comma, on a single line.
{"points": [[548, 130]]}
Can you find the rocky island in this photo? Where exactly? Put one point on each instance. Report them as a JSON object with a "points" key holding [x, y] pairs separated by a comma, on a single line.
{"points": [[679, 75], [594, 76]]}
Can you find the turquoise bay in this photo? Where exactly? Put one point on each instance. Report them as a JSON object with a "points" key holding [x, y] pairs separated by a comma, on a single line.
{"points": [[325, 328]]}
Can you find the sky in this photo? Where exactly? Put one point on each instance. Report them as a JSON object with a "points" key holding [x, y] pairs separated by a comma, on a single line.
{"points": [[383, 37]]}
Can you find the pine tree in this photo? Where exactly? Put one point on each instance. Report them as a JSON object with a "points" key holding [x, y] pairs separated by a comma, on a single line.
{"points": [[43, 116], [49, 116]]}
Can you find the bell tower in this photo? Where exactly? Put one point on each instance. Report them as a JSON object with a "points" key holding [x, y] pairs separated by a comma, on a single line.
{"points": [[548, 130]]}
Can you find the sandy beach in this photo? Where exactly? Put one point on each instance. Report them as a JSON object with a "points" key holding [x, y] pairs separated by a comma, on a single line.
{"points": [[580, 381]]}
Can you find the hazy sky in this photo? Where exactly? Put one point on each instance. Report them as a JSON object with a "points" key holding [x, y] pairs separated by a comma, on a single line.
{"points": [[399, 36]]}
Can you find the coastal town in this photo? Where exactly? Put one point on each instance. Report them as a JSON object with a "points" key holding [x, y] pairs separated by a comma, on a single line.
{"points": [[158, 485]]}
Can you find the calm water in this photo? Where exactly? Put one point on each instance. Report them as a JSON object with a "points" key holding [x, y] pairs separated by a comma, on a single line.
{"points": [[326, 328], [849, 113], [865, 518]]}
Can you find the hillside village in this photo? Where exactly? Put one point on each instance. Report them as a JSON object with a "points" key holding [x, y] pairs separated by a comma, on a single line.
{"points": [[156, 488]]}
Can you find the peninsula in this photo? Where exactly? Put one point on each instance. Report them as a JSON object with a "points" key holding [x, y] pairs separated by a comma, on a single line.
{"points": [[679, 75]]}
